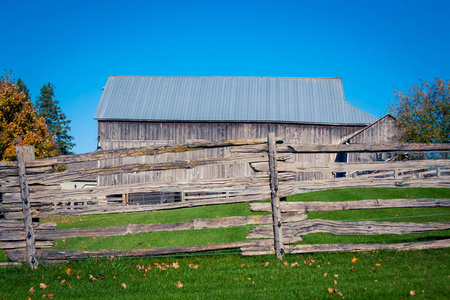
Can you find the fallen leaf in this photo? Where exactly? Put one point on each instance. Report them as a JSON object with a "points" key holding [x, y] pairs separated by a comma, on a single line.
{"points": [[331, 291], [175, 265], [29, 298], [295, 265], [285, 263], [377, 264], [324, 275], [340, 294], [179, 284], [375, 280], [102, 276], [62, 281], [336, 275], [92, 278], [78, 276], [266, 264], [31, 290], [124, 285], [412, 293], [43, 286], [253, 282], [352, 269], [192, 266], [335, 282], [144, 275], [68, 271], [354, 259], [242, 265], [50, 296]]}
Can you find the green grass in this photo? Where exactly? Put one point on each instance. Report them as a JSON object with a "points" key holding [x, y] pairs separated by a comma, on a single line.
{"points": [[377, 275]]}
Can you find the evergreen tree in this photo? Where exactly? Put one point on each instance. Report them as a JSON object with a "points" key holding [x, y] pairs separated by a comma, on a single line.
{"points": [[58, 125], [23, 88]]}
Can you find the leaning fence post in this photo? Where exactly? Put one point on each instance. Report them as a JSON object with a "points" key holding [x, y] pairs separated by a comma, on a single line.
{"points": [[24, 154], [276, 209]]}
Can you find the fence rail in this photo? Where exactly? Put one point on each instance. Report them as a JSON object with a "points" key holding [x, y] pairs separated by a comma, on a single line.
{"points": [[31, 189]]}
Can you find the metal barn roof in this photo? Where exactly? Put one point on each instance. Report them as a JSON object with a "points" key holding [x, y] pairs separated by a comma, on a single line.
{"points": [[228, 99]]}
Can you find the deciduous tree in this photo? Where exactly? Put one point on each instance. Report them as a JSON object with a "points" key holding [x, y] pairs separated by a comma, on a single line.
{"points": [[19, 118], [48, 107], [423, 112]]}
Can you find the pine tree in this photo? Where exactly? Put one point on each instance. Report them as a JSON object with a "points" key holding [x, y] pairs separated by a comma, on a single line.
{"points": [[23, 88], [58, 125]]}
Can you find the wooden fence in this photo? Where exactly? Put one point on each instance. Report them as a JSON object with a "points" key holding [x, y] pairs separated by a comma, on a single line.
{"points": [[31, 189]]}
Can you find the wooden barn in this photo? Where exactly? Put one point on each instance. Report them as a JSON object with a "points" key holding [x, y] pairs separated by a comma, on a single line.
{"points": [[138, 111]]}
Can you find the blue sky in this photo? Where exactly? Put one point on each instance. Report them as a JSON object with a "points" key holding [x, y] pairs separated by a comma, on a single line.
{"points": [[374, 46]]}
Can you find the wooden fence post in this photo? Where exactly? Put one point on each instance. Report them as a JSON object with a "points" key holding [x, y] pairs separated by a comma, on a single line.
{"points": [[24, 154], [276, 209]]}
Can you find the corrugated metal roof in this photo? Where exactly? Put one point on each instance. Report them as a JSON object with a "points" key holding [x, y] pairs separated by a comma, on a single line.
{"points": [[228, 99]]}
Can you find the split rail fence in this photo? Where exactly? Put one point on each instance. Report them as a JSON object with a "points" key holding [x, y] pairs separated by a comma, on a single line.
{"points": [[31, 189]]}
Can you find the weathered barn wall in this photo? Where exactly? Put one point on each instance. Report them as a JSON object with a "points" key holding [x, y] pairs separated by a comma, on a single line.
{"points": [[380, 132], [121, 135]]}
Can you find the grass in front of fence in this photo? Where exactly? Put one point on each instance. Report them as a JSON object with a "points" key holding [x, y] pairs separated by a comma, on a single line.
{"points": [[374, 275]]}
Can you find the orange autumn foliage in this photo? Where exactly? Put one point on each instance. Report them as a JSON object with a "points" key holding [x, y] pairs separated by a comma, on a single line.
{"points": [[18, 118]]}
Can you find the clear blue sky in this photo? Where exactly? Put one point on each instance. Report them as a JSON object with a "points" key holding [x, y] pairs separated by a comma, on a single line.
{"points": [[373, 46]]}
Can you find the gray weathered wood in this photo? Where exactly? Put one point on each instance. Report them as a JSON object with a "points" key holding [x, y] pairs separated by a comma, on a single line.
{"points": [[301, 249], [276, 211], [349, 167], [144, 151], [60, 177], [111, 209], [344, 228], [349, 148], [23, 244], [348, 205], [141, 228], [437, 244], [339, 183], [24, 154]]}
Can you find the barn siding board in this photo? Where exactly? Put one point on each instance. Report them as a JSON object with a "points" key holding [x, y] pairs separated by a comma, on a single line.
{"points": [[121, 134]]}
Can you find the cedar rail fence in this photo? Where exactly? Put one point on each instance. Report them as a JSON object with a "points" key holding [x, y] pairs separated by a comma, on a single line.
{"points": [[31, 189]]}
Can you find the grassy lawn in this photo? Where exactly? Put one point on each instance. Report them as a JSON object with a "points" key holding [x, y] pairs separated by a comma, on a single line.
{"points": [[374, 275], [377, 275]]}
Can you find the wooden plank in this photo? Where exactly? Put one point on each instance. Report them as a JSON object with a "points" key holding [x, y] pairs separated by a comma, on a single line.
{"points": [[18, 225], [111, 209], [351, 167], [18, 255], [348, 182], [140, 228], [318, 248], [437, 244], [110, 154], [23, 244], [60, 177], [348, 205], [366, 148], [24, 154], [345, 228], [54, 193], [275, 204]]}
